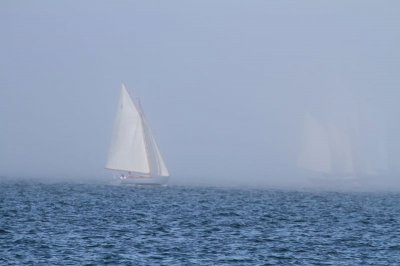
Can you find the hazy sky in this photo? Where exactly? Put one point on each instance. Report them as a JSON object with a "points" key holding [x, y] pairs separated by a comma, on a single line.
{"points": [[225, 84]]}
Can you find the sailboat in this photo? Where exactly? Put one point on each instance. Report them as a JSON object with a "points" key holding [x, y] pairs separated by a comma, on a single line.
{"points": [[343, 151], [134, 153], [326, 150]]}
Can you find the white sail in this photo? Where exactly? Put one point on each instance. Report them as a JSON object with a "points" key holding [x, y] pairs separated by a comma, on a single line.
{"points": [[316, 152], [133, 147], [371, 144], [128, 147], [341, 151], [161, 169]]}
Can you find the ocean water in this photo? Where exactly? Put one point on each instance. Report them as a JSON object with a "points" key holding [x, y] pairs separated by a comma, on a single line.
{"points": [[87, 224]]}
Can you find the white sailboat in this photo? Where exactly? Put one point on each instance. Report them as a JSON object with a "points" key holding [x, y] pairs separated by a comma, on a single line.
{"points": [[133, 151], [342, 151]]}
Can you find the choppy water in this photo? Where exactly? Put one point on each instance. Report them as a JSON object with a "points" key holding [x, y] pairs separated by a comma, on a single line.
{"points": [[69, 224]]}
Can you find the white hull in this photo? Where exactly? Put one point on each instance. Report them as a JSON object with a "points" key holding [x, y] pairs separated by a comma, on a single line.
{"points": [[144, 181]]}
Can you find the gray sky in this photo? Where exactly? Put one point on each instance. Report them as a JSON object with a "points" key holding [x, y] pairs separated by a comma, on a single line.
{"points": [[225, 84]]}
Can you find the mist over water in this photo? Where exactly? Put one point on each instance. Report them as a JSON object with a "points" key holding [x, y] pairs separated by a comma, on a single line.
{"points": [[227, 87]]}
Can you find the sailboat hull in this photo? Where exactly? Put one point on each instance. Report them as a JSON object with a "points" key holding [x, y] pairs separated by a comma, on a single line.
{"points": [[144, 181]]}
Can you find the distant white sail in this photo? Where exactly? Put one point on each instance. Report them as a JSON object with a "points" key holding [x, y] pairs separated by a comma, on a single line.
{"points": [[133, 148], [341, 151], [316, 152], [370, 144]]}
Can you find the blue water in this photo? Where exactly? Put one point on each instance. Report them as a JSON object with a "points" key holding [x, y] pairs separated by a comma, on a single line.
{"points": [[84, 224]]}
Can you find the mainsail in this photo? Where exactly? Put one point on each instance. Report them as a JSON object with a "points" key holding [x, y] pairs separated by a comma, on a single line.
{"points": [[133, 148], [341, 151], [315, 154]]}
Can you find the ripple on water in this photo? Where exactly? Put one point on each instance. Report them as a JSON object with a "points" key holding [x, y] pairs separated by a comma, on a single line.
{"points": [[85, 224]]}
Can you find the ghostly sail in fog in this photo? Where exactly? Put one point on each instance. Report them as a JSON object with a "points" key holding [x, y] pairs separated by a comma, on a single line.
{"points": [[316, 153], [344, 148]]}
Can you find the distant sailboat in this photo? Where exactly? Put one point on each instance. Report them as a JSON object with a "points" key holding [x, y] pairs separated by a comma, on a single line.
{"points": [[133, 151], [340, 152]]}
